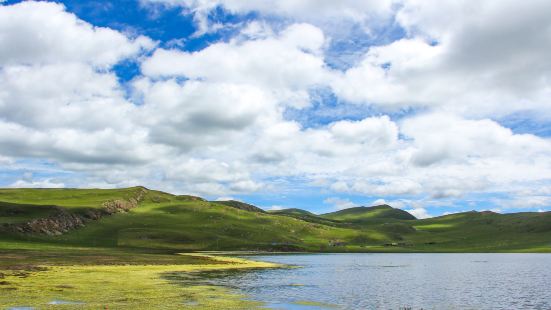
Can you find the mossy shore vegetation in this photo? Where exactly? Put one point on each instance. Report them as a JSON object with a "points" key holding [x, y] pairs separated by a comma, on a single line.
{"points": [[121, 284]]}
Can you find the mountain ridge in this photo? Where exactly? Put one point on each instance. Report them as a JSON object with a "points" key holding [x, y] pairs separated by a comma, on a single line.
{"points": [[162, 221]]}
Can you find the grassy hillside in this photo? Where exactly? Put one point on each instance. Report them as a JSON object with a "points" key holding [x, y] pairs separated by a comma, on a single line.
{"points": [[485, 232], [166, 222], [240, 205], [367, 214], [308, 217], [20, 205]]}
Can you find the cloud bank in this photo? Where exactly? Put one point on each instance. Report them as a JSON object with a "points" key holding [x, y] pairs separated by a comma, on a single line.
{"points": [[214, 121]]}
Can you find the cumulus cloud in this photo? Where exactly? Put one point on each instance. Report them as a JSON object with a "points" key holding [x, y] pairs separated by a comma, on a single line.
{"points": [[200, 113], [45, 33], [310, 10], [525, 202], [57, 101], [44, 183], [340, 203], [477, 59], [400, 204], [214, 121], [441, 137], [377, 132], [285, 65], [275, 208], [419, 213], [224, 198], [4, 160]]}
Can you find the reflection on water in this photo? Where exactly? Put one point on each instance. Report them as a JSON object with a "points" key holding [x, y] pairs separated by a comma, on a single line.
{"points": [[399, 281]]}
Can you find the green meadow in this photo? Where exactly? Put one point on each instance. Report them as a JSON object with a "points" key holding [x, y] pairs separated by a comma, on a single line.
{"points": [[128, 259]]}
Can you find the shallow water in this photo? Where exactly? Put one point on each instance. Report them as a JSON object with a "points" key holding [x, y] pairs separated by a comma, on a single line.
{"points": [[399, 281]]}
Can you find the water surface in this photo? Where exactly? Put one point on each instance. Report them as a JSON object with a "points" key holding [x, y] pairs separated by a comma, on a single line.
{"points": [[399, 281]]}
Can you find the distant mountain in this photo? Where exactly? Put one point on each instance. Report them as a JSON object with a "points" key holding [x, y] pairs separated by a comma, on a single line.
{"points": [[240, 205], [364, 214], [293, 211], [305, 216]]}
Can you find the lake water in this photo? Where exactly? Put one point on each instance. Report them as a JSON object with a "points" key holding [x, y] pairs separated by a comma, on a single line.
{"points": [[399, 281]]}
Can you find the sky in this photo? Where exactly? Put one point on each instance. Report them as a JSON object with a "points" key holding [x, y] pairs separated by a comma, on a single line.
{"points": [[434, 107]]}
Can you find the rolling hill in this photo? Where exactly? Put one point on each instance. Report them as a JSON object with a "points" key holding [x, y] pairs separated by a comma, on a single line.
{"points": [[369, 214], [307, 216], [240, 205], [139, 218]]}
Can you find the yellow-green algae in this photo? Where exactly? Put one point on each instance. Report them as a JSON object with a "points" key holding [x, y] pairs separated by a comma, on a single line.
{"points": [[124, 287]]}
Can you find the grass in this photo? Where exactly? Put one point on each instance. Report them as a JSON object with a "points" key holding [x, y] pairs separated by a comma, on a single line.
{"points": [[368, 214], [22, 205], [168, 222], [201, 225], [433, 227], [129, 259], [64, 197]]}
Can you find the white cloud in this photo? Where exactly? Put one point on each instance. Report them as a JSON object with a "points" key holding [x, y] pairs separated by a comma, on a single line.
{"points": [[447, 156], [446, 137], [275, 208], [377, 132], [200, 113], [44, 33], [45, 183], [285, 65], [224, 198], [454, 212], [86, 98], [477, 59], [400, 204], [339, 203], [57, 99], [4, 160], [525, 202], [309, 10], [214, 122], [379, 202], [419, 213]]}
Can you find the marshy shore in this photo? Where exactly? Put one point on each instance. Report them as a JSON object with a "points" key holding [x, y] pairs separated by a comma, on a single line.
{"points": [[105, 281]]}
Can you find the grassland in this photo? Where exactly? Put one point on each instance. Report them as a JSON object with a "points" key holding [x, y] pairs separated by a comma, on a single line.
{"points": [[166, 222], [133, 255]]}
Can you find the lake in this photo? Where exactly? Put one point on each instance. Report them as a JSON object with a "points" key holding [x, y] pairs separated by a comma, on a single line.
{"points": [[399, 281]]}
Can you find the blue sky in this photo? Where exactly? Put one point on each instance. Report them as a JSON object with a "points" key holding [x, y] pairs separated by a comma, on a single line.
{"points": [[282, 104]]}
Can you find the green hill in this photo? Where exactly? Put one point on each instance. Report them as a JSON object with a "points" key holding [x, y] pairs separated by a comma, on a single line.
{"points": [[307, 216], [292, 211], [139, 218], [366, 214], [160, 221], [240, 205]]}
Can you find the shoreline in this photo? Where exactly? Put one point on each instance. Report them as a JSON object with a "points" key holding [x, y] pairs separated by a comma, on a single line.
{"points": [[143, 286]]}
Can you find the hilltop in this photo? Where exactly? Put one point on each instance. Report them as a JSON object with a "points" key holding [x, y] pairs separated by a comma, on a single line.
{"points": [[367, 214], [240, 205], [139, 218]]}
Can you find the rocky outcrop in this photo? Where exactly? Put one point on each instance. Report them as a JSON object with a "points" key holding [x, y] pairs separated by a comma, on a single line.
{"points": [[63, 221]]}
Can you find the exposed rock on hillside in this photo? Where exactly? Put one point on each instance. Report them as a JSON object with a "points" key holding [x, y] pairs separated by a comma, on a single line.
{"points": [[63, 221]]}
